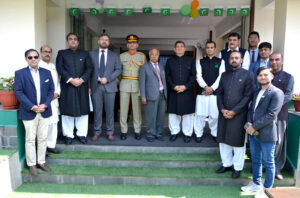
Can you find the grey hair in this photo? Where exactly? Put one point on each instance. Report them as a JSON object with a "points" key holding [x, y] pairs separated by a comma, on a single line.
{"points": [[276, 52], [153, 49]]}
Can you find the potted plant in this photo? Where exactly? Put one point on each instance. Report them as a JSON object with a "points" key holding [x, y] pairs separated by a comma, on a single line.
{"points": [[296, 101], [8, 98]]}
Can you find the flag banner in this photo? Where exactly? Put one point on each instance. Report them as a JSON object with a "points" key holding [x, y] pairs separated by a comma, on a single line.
{"points": [[218, 11], [203, 11], [165, 12], [245, 11], [74, 12], [111, 11], [231, 11], [147, 10], [93, 12]]}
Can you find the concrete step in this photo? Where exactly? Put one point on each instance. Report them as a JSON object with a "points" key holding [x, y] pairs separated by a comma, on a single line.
{"points": [[140, 149]]}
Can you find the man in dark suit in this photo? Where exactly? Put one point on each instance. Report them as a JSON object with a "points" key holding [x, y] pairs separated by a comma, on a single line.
{"points": [[261, 127], [34, 89], [253, 41], [74, 67], [153, 91], [106, 69]]}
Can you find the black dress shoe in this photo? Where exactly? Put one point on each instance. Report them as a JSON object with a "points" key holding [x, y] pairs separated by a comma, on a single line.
{"points": [[68, 140], [236, 174], [53, 150], [214, 138], [187, 139], [123, 136], [150, 139], [173, 138], [223, 169], [159, 138], [137, 136], [82, 139], [198, 139]]}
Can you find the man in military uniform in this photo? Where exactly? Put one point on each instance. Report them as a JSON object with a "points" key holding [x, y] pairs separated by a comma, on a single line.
{"points": [[131, 62]]}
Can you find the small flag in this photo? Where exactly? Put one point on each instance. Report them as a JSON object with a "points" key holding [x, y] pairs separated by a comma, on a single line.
{"points": [[101, 10], [218, 12], [203, 11], [111, 11], [93, 12], [147, 10], [165, 12], [74, 12], [231, 11], [128, 11], [245, 11]]}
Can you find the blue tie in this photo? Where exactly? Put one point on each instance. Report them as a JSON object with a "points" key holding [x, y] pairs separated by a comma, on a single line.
{"points": [[102, 64]]}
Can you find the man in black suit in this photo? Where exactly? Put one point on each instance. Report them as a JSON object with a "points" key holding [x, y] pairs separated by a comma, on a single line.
{"points": [[261, 127], [74, 67]]}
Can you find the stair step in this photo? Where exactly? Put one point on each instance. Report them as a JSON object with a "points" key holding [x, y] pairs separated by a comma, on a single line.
{"points": [[137, 149]]}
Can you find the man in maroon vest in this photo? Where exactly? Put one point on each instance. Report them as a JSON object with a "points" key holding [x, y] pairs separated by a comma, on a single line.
{"points": [[285, 82]]}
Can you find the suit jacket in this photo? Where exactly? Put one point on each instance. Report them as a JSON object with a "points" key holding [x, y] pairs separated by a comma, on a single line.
{"points": [[253, 68], [112, 70], [264, 118], [149, 82], [26, 92]]}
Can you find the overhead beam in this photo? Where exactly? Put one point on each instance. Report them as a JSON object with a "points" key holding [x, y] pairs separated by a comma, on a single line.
{"points": [[227, 25]]}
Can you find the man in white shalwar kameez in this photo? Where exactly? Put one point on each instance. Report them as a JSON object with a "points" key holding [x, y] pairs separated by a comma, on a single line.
{"points": [[209, 70], [46, 54]]}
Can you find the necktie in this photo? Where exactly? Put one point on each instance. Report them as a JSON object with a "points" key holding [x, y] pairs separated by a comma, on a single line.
{"points": [[102, 64], [253, 56], [158, 74]]}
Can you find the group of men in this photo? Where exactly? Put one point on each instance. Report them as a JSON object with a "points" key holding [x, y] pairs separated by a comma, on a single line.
{"points": [[225, 89]]}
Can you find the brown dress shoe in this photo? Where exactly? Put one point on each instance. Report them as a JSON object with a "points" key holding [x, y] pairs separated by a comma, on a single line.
{"points": [[110, 137], [95, 137], [44, 167], [33, 170]]}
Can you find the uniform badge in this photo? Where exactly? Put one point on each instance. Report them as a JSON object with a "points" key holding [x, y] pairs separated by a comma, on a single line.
{"points": [[188, 68], [279, 80], [216, 66], [80, 59], [240, 80]]}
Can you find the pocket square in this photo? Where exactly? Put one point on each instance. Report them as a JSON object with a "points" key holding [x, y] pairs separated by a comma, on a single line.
{"points": [[47, 80]]}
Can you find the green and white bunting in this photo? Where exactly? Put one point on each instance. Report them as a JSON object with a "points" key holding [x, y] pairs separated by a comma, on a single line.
{"points": [[231, 11], [111, 12], [93, 12], [147, 10], [165, 12], [74, 12], [218, 11], [128, 11], [245, 11], [203, 11]]}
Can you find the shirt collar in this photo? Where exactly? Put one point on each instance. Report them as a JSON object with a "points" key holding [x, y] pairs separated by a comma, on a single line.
{"points": [[153, 63], [264, 61], [105, 50], [32, 70], [237, 49]]}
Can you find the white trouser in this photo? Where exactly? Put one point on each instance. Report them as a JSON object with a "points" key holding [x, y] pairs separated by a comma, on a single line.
{"points": [[81, 124], [233, 156], [199, 124], [52, 135], [187, 124]]}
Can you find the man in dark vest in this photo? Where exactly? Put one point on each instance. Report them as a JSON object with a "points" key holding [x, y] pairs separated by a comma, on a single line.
{"points": [[74, 67], [285, 82], [233, 96], [234, 40], [209, 70]]}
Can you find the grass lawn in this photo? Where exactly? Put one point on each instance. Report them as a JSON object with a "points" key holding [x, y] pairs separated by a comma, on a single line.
{"points": [[6, 153], [106, 191]]}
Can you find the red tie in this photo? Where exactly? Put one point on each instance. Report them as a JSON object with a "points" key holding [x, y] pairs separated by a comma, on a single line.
{"points": [[158, 74]]}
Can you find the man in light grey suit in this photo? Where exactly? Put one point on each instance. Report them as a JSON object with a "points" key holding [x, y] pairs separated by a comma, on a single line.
{"points": [[103, 84], [153, 91], [262, 128]]}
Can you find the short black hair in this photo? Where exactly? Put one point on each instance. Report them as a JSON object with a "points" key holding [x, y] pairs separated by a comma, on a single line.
{"points": [[71, 33], [177, 42], [31, 50], [234, 51], [254, 33], [210, 41], [266, 45], [263, 68], [104, 34], [234, 34]]}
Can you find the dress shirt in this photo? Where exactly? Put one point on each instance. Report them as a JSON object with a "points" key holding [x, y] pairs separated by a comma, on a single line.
{"points": [[259, 96], [246, 59], [263, 63], [255, 54], [36, 79], [105, 55], [153, 64], [54, 74]]}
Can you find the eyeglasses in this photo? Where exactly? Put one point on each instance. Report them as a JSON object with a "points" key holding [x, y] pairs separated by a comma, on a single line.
{"points": [[31, 57], [253, 39]]}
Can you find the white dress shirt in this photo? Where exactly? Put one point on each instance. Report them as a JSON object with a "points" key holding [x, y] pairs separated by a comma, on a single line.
{"points": [[246, 59], [105, 55], [259, 96], [36, 79]]}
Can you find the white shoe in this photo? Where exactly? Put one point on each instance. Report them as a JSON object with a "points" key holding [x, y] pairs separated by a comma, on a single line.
{"points": [[251, 187], [261, 194]]}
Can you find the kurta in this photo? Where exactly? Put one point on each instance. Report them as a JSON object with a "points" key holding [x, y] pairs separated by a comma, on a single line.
{"points": [[234, 93], [74, 101], [180, 71]]}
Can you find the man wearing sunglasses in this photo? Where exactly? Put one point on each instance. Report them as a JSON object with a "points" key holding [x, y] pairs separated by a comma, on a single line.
{"points": [[34, 89]]}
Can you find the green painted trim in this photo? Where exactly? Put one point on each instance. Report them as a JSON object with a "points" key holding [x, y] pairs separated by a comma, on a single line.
{"points": [[21, 140], [8, 117], [293, 139], [291, 163]]}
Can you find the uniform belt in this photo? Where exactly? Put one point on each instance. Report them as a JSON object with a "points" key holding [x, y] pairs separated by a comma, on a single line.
{"points": [[130, 77]]}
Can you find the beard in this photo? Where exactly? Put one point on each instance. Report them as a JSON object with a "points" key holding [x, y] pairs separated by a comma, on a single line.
{"points": [[264, 83], [235, 65], [104, 46]]}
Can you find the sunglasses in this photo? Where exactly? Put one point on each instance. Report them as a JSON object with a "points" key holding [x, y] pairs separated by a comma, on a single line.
{"points": [[31, 57]]}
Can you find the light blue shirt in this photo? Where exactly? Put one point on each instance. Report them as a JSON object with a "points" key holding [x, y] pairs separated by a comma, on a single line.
{"points": [[37, 83], [263, 63]]}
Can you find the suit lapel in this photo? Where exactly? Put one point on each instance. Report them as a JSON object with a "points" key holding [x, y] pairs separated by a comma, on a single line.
{"points": [[152, 68], [264, 95], [28, 73], [108, 59]]}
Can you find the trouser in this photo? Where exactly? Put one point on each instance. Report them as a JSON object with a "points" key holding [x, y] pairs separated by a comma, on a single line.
{"points": [[102, 98], [155, 116], [36, 128], [136, 108], [187, 124], [199, 124], [232, 156], [262, 153], [280, 149], [81, 124], [52, 135]]}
